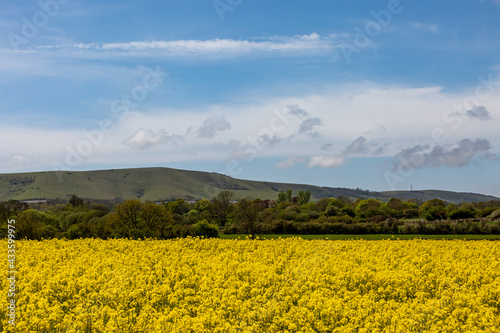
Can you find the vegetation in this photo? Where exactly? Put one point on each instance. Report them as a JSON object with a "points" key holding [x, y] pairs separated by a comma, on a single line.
{"points": [[286, 285], [156, 184], [289, 214]]}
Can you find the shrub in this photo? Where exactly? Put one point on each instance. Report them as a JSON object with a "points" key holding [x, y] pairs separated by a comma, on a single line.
{"points": [[461, 214], [205, 229], [495, 215], [332, 211], [73, 232], [348, 211]]}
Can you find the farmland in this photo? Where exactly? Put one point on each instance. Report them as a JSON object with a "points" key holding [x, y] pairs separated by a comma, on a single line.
{"points": [[278, 285]]}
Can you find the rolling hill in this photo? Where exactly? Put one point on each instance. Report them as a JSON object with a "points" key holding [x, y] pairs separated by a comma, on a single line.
{"points": [[167, 184]]}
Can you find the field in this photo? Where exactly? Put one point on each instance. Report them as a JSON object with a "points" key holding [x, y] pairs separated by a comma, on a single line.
{"points": [[279, 285], [367, 236]]}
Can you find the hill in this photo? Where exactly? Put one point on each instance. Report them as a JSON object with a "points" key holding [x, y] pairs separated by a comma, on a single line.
{"points": [[167, 184]]}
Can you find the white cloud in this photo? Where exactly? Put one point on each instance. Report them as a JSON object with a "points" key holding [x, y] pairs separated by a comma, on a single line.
{"points": [[143, 139], [311, 43], [362, 146], [326, 161], [212, 126], [289, 162], [15, 161], [409, 116], [479, 112], [452, 155], [308, 125]]}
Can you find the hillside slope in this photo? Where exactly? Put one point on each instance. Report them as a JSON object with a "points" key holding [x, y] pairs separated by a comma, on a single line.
{"points": [[166, 184]]}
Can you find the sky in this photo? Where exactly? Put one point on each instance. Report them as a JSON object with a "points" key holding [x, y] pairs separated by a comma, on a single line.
{"points": [[378, 95]]}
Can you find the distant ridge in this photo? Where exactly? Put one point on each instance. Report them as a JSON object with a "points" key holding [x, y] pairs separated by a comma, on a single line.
{"points": [[167, 184]]}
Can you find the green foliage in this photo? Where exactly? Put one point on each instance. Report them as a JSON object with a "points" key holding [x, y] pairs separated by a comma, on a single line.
{"points": [[179, 206], [76, 201], [221, 206], [282, 197], [73, 232], [247, 214], [33, 224], [322, 205], [334, 202], [11, 208], [128, 212], [307, 207], [432, 210], [205, 229], [369, 207], [333, 211], [348, 211], [202, 205], [495, 215], [285, 196], [136, 219], [304, 197]]}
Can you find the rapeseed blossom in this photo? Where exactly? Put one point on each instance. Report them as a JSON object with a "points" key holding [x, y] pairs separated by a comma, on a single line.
{"points": [[283, 285]]}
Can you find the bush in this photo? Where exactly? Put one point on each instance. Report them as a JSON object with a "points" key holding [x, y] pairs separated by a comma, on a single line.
{"points": [[73, 232], [495, 215], [461, 214], [410, 213], [332, 211], [348, 211], [47, 231], [205, 229]]}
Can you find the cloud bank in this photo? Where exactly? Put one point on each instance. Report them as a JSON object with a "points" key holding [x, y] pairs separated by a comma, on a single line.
{"points": [[451, 155]]}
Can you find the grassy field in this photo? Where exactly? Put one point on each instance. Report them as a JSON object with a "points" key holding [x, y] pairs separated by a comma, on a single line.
{"points": [[368, 237], [166, 183]]}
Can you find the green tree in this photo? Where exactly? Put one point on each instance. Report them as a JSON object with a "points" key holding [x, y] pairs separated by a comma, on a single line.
{"points": [[221, 206], [33, 224], [369, 207], [285, 196], [128, 213], [433, 209], [281, 197], [12, 208], [247, 213], [179, 206], [155, 219], [76, 201], [205, 229], [304, 197]]}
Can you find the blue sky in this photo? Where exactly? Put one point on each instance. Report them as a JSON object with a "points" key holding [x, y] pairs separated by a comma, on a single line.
{"points": [[379, 95]]}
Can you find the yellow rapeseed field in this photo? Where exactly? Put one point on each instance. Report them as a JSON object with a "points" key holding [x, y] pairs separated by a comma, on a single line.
{"points": [[284, 285]]}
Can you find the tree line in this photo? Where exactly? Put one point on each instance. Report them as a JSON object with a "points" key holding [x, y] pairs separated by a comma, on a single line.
{"points": [[288, 214]]}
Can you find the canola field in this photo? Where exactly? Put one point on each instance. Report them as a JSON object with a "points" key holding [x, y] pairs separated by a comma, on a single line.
{"points": [[282, 285]]}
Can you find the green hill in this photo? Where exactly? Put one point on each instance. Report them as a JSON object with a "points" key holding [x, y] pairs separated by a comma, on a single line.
{"points": [[167, 184]]}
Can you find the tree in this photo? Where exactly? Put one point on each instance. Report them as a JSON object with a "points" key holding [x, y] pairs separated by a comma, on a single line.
{"points": [[285, 196], [221, 206], [76, 201], [304, 197], [396, 204], [205, 229], [179, 206], [433, 209], [12, 208], [369, 207], [154, 219], [33, 224], [281, 197], [247, 213], [128, 212]]}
